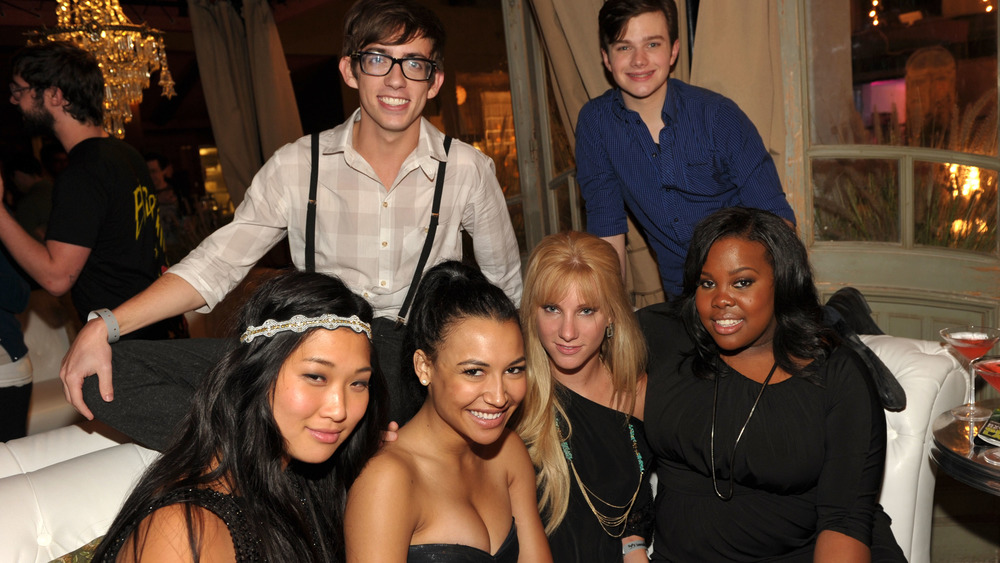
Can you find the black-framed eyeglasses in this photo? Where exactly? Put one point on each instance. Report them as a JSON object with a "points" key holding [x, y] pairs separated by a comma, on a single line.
{"points": [[16, 90], [379, 64]]}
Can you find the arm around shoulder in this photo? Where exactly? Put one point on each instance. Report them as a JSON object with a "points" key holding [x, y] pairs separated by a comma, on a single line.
{"points": [[381, 515], [534, 545]]}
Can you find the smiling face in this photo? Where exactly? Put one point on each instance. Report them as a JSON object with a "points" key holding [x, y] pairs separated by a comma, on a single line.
{"points": [[572, 332], [321, 393], [640, 60], [735, 295], [477, 379], [393, 103]]}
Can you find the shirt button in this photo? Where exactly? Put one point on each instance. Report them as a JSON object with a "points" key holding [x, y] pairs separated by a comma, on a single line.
{"points": [[365, 295], [385, 204], [382, 283], [676, 219], [653, 155], [384, 244]]}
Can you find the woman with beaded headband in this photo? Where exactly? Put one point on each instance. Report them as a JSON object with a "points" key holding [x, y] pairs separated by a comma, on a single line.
{"points": [[457, 485], [769, 434], [587, 442], [278, 431]]}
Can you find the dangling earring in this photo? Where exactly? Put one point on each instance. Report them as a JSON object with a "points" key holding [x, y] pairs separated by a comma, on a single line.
{"points": [[610, 330]]}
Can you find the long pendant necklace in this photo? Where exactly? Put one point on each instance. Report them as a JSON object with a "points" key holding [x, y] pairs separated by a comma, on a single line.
{"points": [[609, 523], [732, 454]]}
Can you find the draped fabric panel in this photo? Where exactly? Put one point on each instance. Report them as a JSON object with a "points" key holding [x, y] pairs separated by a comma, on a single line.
{"points": [[247, 87], [576, 71], [277, 110]]}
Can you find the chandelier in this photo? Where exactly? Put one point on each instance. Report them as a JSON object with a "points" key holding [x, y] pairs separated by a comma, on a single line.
{"points": [[127, 53]]}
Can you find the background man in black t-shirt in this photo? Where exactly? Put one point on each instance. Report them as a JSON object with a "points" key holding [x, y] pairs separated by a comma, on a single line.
{"points": [[103, 241]]}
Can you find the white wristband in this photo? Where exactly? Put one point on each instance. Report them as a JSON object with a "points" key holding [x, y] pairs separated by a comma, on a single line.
{"points": [[632, 546], [109, 321]]}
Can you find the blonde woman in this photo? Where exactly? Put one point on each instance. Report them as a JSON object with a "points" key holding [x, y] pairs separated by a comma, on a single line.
{"points": [[588, 444]]}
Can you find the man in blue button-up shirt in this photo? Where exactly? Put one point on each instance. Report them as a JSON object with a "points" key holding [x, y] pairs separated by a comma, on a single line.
{"points": [[670, 152]]}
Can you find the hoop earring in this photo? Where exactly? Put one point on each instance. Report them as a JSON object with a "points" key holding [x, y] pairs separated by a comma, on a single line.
{"points": [[609, 331]]}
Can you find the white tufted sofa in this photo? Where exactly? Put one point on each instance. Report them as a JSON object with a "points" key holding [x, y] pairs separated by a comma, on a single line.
{"points": [[61, 489]]}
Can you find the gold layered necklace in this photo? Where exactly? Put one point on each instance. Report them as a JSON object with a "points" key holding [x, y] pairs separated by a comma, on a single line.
{"points": [[611, 524]]}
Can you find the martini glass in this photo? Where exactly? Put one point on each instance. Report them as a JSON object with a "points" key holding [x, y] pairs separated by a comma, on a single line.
{"points": [[988, 367], [971, 342]]}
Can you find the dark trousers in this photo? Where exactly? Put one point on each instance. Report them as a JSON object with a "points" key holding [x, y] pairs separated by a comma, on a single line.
{"points": [[155, 381], [14, 403]]}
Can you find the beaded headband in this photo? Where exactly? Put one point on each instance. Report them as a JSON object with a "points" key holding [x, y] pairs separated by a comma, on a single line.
{"points": [[300, 323]]}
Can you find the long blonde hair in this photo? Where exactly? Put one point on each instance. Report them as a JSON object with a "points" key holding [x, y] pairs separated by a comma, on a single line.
{"points": [[559, 262]]}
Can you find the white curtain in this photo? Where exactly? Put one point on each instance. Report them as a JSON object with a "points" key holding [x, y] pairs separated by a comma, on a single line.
{"points": [[247, 86], [570, 35]]}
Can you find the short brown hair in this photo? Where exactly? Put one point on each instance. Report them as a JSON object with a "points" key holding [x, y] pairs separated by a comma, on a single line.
{"points": [[392, 22], [615, 15]]}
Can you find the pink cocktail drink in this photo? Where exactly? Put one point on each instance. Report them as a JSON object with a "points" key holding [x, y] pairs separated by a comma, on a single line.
{"points": [[973, 342], [990, 372], [972, 345]]}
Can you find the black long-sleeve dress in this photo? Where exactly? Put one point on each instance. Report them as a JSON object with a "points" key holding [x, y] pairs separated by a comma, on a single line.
{"points": [[811, 457]]}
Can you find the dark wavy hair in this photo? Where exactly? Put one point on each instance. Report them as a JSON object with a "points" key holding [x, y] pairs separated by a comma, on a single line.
{"points": [[800, 333], [69, 68], [230, 436], [392, 22], [615, 15]]}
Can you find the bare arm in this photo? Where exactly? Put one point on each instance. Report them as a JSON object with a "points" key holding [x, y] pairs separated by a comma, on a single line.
{"points": [[54, 265], [836, 547], [534, 546], [381, 500], [618, 242], [165, 537], [90, 353]]}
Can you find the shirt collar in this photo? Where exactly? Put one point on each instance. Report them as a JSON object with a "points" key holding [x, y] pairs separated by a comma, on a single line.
{"points": [[670, 104], [428, 153]]}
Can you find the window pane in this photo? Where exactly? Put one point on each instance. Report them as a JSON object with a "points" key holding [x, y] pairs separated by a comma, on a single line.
{"points": [[921, 73], [856, 199], [955, 206]]}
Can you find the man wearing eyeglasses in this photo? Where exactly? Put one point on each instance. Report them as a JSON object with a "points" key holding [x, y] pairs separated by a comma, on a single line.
{"points": [[376, 185], [102, 243]]}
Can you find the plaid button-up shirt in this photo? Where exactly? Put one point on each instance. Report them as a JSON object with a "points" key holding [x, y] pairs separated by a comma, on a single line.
{"points": [[366, 235]]}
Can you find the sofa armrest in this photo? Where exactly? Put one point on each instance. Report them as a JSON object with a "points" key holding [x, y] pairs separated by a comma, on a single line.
{"points": [[58, 508], [934, 382], [34, 452]]}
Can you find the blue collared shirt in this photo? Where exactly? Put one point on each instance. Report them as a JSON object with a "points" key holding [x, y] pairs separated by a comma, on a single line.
{"points": [[710, 156]]}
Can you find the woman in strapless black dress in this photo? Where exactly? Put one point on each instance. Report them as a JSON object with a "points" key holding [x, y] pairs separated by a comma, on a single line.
{"points": [[457, 485]]}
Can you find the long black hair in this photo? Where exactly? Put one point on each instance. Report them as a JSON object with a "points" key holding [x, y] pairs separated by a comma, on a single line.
{"points": [[230, 436], [800, 333]]}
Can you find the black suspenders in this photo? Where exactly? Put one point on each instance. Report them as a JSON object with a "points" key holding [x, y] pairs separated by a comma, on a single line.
{"points": [[431, 228]]}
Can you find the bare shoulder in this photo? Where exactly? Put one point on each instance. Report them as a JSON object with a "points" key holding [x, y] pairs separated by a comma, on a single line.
{"points": [[382, 498], [164, 535], [386, 481], [512, 449]]}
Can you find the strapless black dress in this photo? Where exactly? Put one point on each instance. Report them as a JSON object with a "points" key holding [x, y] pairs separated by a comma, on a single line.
{"points": [[454, 553]]}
